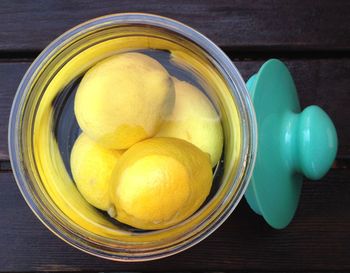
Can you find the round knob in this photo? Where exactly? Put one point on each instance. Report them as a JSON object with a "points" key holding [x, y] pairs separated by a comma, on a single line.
{"points": [[317, 142]]}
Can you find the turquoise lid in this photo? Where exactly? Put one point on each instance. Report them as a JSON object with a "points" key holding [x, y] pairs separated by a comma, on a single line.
{"points": [[290, 144]]}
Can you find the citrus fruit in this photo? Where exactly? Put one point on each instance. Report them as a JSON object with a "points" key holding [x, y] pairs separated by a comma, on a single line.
{"points": [[124, 99], [195, 120], [92, 166], [159, 182]]}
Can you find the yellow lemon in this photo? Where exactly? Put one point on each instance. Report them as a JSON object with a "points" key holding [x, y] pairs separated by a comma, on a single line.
{"points": [[124, 99], [92, 166], [195, 120], [159, 182]]}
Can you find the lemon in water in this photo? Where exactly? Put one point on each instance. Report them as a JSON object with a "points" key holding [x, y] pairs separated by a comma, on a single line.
{"points": [[124, 99], [194, 119], [92, 166], [159, 182]]}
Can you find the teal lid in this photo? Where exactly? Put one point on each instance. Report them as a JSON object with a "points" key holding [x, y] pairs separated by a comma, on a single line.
{"points": [[290, 144]]}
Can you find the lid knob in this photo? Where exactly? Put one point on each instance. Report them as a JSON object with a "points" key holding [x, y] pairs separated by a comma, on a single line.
{"points": [[317, 142]]}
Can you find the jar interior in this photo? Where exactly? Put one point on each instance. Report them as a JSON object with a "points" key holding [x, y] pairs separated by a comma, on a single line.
{"points": [[49, 129]]}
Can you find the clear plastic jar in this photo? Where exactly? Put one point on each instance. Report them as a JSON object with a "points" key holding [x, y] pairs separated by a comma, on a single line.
{"points": [[39, 169]]}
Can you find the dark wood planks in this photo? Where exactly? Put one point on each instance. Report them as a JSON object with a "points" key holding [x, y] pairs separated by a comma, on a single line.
{"points": [[267, 25], [317, 239], [10, 77], [324, 82]]}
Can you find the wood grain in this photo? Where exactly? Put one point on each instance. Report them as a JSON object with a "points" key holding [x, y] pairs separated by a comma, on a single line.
{"points": [[323, 82], [317, 239], [257, 25], [10, 77]]}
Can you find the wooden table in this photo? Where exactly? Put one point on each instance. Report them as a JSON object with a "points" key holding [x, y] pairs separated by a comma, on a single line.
{"points": [[312, 37]]}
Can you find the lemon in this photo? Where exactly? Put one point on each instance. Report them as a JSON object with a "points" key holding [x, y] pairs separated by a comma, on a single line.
{"points": [[159, 182], [195, 120], [124, 99], [92, 166]]}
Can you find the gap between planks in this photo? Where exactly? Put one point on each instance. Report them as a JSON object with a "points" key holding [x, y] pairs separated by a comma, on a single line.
{"points": [[235, 53]]}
